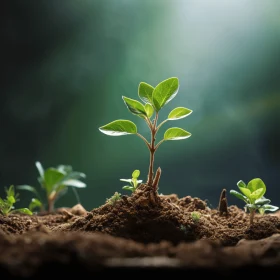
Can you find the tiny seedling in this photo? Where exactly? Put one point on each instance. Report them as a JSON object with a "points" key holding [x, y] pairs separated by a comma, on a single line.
{"points": [[134, 182], [195, 216], [114, 198], [55, 183], [253, 195], [154, 99], [7, 204]]}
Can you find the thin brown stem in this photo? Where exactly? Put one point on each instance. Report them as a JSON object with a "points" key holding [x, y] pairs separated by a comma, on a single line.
{"points": [[144, 139], [159, 126], [223, 206], [149, 123], [51, 199], [50, 205], [152, 150], [156, 179], [158, 144], [252, 215]]}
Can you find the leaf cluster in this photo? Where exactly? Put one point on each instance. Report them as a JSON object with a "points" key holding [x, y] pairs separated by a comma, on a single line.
{"points": [[7, 204], [134, 182], [114, 198], [55, 182], [154, 99], [253, 195]]}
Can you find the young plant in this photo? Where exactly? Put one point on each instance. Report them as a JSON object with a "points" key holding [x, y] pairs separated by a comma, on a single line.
{"points": [[114, 198], [195, 216], [154, 99], [55, 183], [253, 195], [133, 181], [7, 204]]}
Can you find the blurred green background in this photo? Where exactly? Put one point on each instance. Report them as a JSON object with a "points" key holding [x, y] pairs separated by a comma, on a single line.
{"points": [[66, 64]]}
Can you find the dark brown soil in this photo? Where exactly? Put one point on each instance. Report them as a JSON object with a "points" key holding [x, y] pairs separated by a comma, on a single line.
{"points": [[144, 232]]}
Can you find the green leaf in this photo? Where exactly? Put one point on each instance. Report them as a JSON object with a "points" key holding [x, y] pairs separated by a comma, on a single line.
{"points": [[145, 92], [10, 191], [239, 195], [11, 200], [128, 188], [136, 174], [74, 183], [119, 127], [176, 133], [24, 211], [262, 201], [241, 184], [179, 113], [66, 169], [28, 188], [149, 110], [257, 194], [256, 184], [52, 178], [35, 203], [2, 202], [126, 180], [251, 206], [74, 175], [245, 191], [134, 106], [270, 208], [40, 169], [164, 92]]}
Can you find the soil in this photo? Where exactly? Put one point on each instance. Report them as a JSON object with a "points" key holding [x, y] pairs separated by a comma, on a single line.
{"points": [[142, 233]]}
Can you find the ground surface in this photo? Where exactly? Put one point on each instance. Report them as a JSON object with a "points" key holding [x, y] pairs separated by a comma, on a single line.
{"points": [[144, 232]]}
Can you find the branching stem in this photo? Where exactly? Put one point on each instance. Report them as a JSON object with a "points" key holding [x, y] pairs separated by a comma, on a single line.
{"points": [[144, 139], [152, 150]]}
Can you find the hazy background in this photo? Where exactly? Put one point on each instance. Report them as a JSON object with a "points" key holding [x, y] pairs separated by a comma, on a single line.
{"points": [[66, 64]]}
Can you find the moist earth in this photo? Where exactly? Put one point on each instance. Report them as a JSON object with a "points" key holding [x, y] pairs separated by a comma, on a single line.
{"points": [[144, 232]]}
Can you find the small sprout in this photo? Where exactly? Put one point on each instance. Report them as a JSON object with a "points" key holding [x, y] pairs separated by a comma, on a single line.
{"points": [[253, 195], [134, 182], [223, 206], [55, 183], [153, 100], [195, 216], [7, 204], [35, 204], [114, 198]]}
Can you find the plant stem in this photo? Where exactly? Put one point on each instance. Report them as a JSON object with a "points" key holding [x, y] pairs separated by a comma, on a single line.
{"points": [[51, 200], [252, 214], [152, 150], [160, 142], [144, 139], [161, 125], [50, 206]]}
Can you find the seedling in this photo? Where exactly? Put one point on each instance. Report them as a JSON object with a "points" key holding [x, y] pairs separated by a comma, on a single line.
{"points": [[253, 195], [195, 216], [55, 183], [154, 99], [7, 204], [114, 198], [133, 181]]}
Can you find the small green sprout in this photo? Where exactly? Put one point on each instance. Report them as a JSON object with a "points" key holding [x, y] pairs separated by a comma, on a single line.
{"points": [[55, 183], [195, 216], [253, 195], [154, 99], [133, 181], [114, 198], [7, 204]]}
